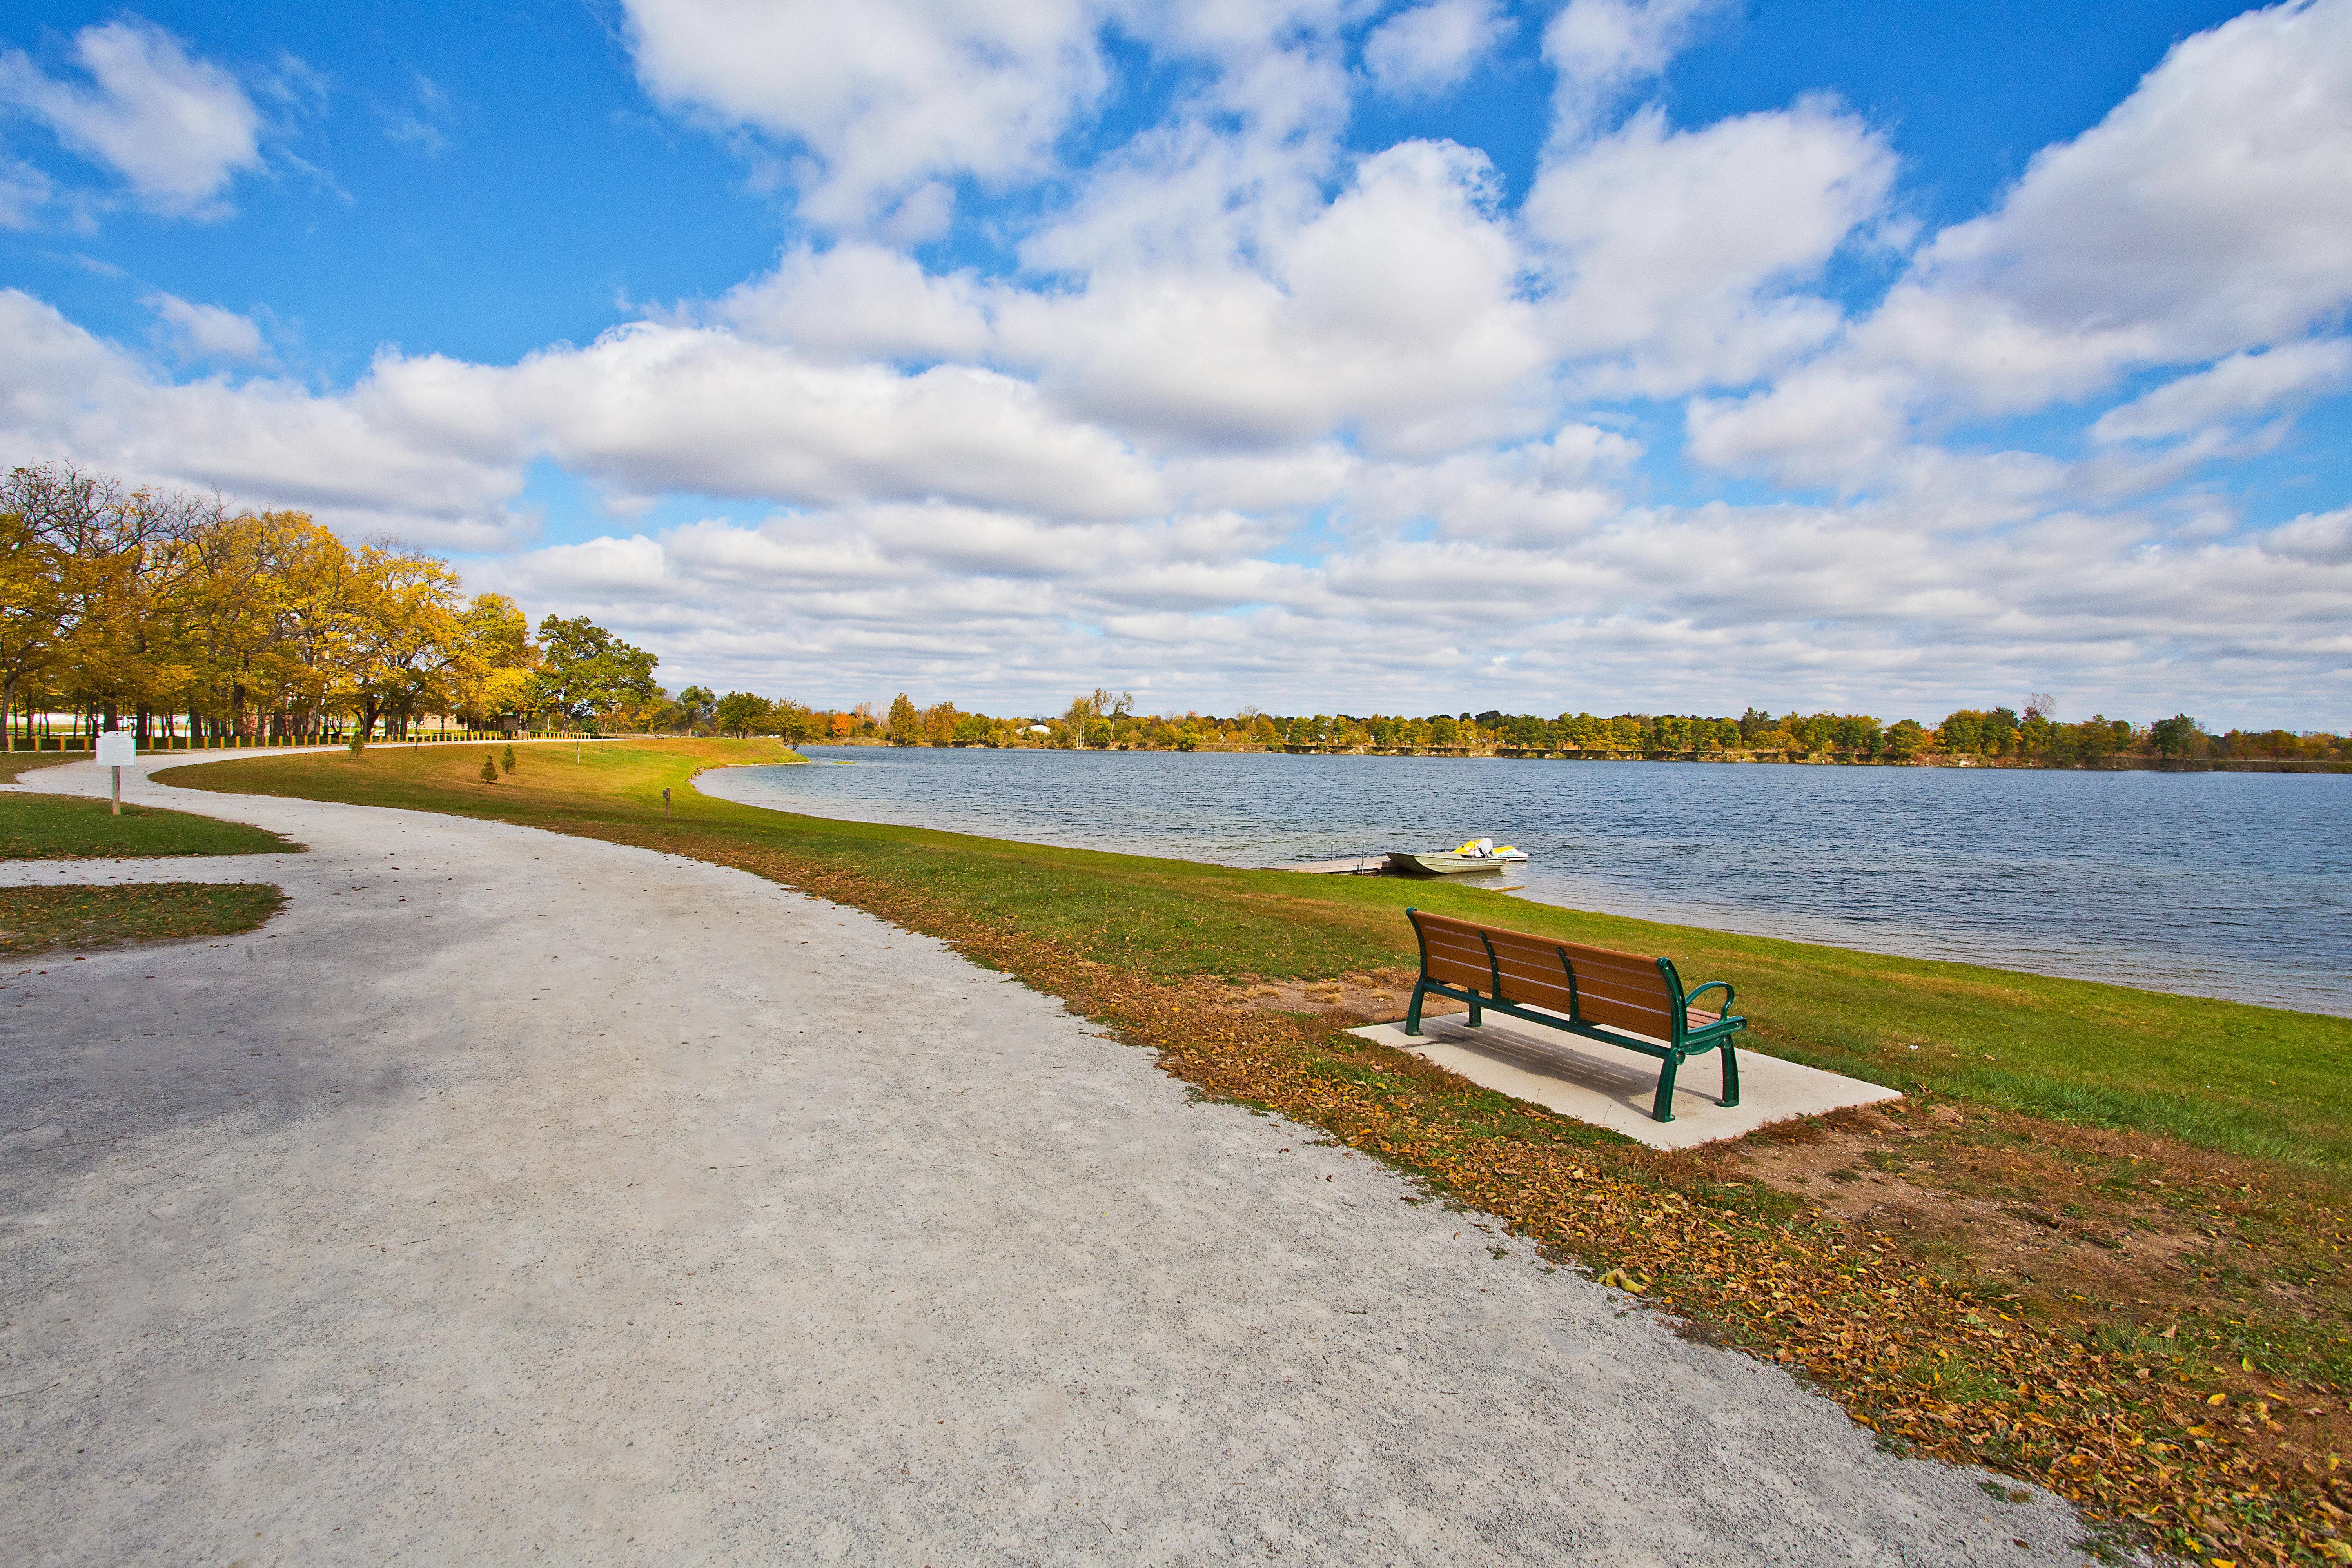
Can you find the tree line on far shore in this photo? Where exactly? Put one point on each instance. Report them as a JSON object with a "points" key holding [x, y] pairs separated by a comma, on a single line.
{"points": [[170, 613], [1101, 720]]}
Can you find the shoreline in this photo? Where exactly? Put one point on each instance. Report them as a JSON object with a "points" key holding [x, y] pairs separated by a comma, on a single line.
{"points": [[1722, 759], [1759, 922]]}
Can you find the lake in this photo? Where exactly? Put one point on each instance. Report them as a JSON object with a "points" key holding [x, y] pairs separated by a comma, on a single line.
{"points": [[2230, 885]]}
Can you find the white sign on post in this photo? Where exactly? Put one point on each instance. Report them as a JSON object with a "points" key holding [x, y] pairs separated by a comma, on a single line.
{"points": [[117, 749]]}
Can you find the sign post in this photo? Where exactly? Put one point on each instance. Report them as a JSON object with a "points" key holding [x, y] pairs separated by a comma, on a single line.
{"points": [[116, 750]]}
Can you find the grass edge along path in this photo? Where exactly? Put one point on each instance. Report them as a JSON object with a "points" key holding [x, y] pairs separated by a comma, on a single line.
{"points": [[81, 828], [2172, 1449], [37, 922]]}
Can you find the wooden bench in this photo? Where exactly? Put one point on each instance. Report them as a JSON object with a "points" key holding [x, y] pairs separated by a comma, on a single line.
{"points": [[1615, 997]]}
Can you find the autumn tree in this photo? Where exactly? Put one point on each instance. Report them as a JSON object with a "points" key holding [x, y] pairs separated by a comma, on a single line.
{"points": [[400, 635], [588, 672], [2173, 737], [33, 610], [490, 676], [742, 712], [906, 725], [940, 722], [698, 707]]}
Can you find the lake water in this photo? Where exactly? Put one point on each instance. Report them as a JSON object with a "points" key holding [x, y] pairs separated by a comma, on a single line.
{"points": [[2234, 885]]}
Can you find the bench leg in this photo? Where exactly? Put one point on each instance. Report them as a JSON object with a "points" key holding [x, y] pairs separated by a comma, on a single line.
{"points": [[1412, 1013], [1477, 1015], [1730, 1075], [1663, 1109]]}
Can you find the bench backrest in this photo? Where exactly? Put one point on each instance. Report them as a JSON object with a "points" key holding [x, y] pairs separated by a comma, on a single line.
{"points": [[1591, 985]]}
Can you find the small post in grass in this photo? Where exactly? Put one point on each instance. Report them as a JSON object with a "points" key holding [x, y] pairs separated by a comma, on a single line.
{"points": [[665, 803], [116, 749]]}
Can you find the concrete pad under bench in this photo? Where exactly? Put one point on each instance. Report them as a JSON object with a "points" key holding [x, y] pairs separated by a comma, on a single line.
{"points": [[1609, 1087]]}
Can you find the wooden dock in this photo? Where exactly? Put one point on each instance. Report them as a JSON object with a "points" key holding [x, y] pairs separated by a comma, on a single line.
{"points": [[1358, 865]]}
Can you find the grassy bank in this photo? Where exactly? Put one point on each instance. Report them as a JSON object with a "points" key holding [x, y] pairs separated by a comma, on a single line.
{"points": [[34, 921], [2103, 1245], [15, 765], [72, 827]]}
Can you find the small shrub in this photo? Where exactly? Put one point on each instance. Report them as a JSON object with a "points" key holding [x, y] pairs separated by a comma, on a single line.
{"points": [[506, 759], [489, 768], [358, 742]]}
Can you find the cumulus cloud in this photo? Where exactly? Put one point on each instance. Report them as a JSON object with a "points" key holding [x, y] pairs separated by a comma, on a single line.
{"points": [[859, 301], [1393, 312], [207, 332], [2206, 215], [1428, 50], [1677, 253], [176, 128], [67, 394], [2322, 539], [876, 100], [2240, 386], [1602, 49]]}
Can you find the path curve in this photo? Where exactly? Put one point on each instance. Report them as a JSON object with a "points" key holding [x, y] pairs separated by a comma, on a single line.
{"points": [[512, 1193]]}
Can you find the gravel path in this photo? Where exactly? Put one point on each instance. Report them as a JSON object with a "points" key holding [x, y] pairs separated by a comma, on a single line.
{"points": [[511, 1193]]}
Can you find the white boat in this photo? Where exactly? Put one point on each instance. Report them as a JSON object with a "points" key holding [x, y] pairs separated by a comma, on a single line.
{"points": [[1478, 855]]}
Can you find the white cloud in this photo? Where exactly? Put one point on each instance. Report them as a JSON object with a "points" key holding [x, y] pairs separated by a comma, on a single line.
{"points": [[176, 128], [859, 301], [67, 394], [652, 409], [1680, 251], [2323, 539], [880, 98], [1393, 311], [207, 332], [424, 119], [23, 192], [1603, 49], [1430, 48], [2208, 211], [2206, 215], [2240, 385]]}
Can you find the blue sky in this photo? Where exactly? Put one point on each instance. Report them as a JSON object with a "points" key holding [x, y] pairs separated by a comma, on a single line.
{"points": [[1317, 355]]}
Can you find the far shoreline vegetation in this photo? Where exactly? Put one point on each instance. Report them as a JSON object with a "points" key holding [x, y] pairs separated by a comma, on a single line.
{"points": [[1993, 737]]}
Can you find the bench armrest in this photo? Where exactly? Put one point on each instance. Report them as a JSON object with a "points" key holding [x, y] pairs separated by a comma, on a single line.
{"points": [[1722, 1012]]}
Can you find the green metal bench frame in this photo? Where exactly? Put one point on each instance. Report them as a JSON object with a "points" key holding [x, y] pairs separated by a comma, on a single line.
{"points": [[1686, 1040]]}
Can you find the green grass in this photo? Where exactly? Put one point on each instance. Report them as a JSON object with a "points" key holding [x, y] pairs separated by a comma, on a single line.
{"points": [[37, 921], [15, 765], [2252, 1081], [72, 827]]}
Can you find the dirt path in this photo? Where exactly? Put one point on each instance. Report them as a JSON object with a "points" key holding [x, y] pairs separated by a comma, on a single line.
{"points": [[514, 1193]]}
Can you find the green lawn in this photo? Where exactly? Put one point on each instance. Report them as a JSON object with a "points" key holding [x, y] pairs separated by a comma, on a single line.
{"points": [[15, 765], [72, 827], [2245, 1080], [37, 921]]}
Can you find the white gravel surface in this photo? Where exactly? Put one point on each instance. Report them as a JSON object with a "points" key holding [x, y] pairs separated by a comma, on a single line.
{"points": [[512, 1195]]}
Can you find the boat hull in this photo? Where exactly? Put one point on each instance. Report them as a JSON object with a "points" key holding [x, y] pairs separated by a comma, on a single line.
{"points": [[1443, 864]]}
